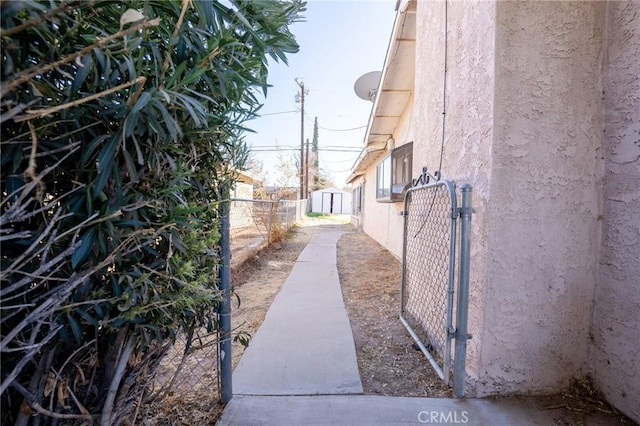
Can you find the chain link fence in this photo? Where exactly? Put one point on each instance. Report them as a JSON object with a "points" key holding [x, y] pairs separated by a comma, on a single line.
{"points": [[428, 264], [256, 223], [428, 241], [189, 370], [429, 274]]}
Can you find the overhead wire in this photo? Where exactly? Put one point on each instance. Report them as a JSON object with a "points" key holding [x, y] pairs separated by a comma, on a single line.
{"points": [[334, 130], [444, 115], [276, 113]]}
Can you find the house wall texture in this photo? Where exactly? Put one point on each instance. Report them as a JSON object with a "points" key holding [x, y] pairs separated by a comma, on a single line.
{"points": [[240, 213], [555, 258], [615, 355], [462, 152], [382, 221], [546, 174]]}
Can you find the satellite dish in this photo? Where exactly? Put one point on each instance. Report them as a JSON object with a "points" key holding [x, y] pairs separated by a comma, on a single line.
{"points": [[366, 86]]}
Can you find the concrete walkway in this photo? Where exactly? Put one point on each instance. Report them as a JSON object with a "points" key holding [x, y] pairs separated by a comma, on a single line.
{"points": [[305, 345], [301, 368]]}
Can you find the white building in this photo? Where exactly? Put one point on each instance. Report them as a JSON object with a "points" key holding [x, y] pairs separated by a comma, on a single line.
{"points": [[331, 200]]}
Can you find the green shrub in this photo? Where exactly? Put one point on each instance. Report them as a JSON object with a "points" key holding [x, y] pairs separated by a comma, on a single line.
{"points": [[121, 121]]}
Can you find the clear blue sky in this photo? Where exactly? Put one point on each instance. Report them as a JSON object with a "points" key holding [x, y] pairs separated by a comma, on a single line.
{"points": [[339, 41]]}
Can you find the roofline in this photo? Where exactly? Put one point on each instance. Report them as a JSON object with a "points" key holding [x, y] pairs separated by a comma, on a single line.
{"points": [[403, 7]]}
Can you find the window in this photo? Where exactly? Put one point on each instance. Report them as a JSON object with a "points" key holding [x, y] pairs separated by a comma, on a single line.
{"points": [[393, 174], [383, 179], [356, 200]]}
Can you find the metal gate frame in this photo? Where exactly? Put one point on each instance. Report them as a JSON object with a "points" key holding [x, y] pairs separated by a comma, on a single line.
{"points": [[459, 333]]}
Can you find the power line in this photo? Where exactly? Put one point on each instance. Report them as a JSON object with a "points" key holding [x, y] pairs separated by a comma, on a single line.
{"points": [[276, 113], [342, 130], [297, 149], [349, 147], [335, 130], [324, 166]]}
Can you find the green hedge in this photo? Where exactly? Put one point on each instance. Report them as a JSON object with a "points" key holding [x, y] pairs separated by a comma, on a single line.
{"points": [[120, 122]]}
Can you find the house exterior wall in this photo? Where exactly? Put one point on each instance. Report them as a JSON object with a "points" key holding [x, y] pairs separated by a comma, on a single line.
{"points": [[240, 212], [555, 259], [357, 217], [615, 355], [382, 221], [243, 190], [546, 173], [468, 124]]}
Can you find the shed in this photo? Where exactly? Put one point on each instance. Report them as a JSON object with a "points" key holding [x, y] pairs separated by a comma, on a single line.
{"points": [[331, 200]]}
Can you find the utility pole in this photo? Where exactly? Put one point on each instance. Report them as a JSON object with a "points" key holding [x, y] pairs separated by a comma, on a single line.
{"points": [[314, 151], [306, 170], [302, 93]]}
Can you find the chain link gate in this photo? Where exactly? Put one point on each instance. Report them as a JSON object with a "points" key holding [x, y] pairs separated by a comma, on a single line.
{"points": [[428, 289]]}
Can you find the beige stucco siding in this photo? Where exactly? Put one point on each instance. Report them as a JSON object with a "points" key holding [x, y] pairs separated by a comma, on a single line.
{"points": [[468, 122], [543, 217], [380, 219], [616, 329], [542, 117], [383, 221]]}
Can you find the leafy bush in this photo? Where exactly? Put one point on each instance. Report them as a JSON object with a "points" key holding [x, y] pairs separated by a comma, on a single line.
{"points": [[121, 124]]}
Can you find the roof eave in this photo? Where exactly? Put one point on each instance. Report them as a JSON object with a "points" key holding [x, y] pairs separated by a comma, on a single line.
{"points": [[394, 90]]}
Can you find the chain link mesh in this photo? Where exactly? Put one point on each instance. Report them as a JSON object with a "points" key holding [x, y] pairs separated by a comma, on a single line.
{"points": [[190, 367], [427, 265]]}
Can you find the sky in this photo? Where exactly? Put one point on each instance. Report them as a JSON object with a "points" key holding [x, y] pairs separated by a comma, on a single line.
{"points": [[340, 40]]}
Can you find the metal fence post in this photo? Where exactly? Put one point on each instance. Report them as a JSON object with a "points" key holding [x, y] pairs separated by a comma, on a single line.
{"points": [[226, 368], [462, 311], [270, 225]]}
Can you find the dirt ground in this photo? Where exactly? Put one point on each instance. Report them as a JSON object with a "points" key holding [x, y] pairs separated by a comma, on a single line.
{"points": [[389, 362]]}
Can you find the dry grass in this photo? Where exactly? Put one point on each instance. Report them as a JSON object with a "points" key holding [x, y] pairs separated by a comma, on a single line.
{"points": [[388, 362]]}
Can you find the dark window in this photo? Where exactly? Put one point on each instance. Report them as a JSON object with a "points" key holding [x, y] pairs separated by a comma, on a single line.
{"points": [[383, 179], [394, 174], [358, 194]]}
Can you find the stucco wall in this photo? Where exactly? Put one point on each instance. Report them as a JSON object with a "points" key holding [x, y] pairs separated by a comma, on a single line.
{"points": [[468, 123], [543, 219], [524, 122], [616, 321], [240, 213], [382, 221]]}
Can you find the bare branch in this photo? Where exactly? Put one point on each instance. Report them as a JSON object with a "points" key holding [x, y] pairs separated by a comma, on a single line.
{"points": [[176, 31], [37, 113], [26, 359], [17, 110], [107, 408], [39, 19]]}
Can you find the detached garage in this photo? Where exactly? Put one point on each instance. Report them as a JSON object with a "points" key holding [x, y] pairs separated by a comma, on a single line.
{"points": [[331, 200]]}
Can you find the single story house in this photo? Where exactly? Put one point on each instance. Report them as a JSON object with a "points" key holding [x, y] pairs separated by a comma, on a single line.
{"points": [[537, 106]]}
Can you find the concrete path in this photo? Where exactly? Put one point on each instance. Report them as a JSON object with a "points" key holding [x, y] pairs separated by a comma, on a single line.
{"points": [[305, 345], [301, 368], [369, 410]]}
